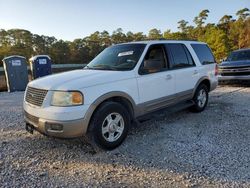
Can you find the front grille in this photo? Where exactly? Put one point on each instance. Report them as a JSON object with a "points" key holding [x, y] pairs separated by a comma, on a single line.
{"points": [[235, 67], [35, 96], [235, 71], [31, 118]]}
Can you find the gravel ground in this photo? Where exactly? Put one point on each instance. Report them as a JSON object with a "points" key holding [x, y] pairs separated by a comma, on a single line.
{"points": [[184, 149]]}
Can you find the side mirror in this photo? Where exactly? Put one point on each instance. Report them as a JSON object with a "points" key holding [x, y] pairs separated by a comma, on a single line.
{"points": [[152, 65]]}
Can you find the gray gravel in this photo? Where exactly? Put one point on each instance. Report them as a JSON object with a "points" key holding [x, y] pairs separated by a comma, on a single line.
{"points": [[184, 149]]}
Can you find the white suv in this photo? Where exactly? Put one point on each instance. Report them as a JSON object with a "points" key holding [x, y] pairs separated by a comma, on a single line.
{"points": [[123, 83]]}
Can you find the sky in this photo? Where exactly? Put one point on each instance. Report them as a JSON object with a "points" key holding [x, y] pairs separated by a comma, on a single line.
{"points": [[71, 19]]}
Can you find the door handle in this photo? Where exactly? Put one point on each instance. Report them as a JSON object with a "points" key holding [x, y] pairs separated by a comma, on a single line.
{"points": [[168, 77]]}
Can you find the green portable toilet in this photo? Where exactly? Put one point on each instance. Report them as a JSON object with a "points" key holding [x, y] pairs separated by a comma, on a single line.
{"points": [[16, 73]]}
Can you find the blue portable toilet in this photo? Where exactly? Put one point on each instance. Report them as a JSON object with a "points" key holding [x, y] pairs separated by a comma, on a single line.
{"points": [[16, 73], [40, 65]]}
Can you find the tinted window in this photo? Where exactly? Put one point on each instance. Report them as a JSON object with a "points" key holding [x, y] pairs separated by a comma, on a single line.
{"points": [[181, 56], [204, 53], [239, 55]]}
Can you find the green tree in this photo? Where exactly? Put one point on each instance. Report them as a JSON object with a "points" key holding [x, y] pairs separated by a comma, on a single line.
{"points": [[200, 19], [175, 36], [20, 42], [243, 13], [238, 33], [224, 23], [129, 36], [105, 39], [94, 44], [154, 34], [183, 26], [118, 36], [60, 52], [139, 36], [79, 52], [216, 39]]}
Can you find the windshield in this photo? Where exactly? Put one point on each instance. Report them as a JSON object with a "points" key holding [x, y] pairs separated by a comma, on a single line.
{"points": [[118, 57], [239, 55]]}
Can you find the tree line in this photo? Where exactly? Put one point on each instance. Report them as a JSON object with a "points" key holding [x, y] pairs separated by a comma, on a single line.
{"points": [[222, 37]]}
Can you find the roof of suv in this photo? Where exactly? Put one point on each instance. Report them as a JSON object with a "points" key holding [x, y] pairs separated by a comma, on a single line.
{"points": [[165, 41]]}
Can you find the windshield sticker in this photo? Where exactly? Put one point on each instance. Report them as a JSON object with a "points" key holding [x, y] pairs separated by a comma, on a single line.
{"points": [[16, 62], [125, 53]]}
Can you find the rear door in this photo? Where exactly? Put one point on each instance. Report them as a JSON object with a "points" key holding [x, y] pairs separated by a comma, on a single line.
{"points": [[157, 87], [186, 72]]}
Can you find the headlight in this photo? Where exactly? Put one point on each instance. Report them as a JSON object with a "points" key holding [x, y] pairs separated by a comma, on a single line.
{"points": [[67, 98]]}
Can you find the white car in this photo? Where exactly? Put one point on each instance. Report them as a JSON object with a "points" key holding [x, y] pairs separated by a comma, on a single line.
{"points": [[122, 84]]}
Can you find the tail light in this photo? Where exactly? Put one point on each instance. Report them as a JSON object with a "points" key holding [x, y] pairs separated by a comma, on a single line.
{"points": [[216, 71]]}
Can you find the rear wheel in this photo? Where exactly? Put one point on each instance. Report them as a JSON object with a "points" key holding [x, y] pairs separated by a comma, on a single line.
{"points": [[200, 98], [109, 126]]}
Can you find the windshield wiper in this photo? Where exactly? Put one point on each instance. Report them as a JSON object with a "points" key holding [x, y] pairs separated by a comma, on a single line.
{"points": [[106, 67], [103, 67], [87, 67]]}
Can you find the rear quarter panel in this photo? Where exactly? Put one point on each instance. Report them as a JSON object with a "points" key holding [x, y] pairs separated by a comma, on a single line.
{"points": [[206, 71]]}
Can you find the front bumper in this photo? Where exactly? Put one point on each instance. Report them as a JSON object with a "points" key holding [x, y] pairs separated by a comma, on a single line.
{"points": [[60, 129], [228, 78]]}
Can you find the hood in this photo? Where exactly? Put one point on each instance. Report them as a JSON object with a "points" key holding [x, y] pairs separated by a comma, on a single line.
{"points": [[78, 79], [241, 63]]}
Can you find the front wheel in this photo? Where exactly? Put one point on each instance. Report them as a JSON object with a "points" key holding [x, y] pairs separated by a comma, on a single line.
{"points": [[200, 99], [109, 126]]}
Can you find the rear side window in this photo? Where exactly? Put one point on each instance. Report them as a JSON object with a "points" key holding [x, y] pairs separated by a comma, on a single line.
{"points": [[204, 53], [180, 56]]}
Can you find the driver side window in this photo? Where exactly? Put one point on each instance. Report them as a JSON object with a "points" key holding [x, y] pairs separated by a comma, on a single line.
{"points": [[155, 60]]}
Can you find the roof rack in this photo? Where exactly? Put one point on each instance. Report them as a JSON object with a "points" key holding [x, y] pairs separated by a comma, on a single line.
{"points": [[179, 39]]}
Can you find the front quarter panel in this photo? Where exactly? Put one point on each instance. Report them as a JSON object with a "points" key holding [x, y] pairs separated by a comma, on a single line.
{"points": [[127, 87]]}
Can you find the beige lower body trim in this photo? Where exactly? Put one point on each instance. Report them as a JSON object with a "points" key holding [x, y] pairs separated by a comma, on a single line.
{"points": [[157, 104]]}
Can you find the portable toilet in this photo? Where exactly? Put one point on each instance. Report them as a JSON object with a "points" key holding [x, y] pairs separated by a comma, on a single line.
{"points": [[16, 73], [40, 65]]}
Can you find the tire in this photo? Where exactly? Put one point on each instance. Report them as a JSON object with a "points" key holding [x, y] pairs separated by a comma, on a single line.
{"points": [[109, 126], [200, 99]]}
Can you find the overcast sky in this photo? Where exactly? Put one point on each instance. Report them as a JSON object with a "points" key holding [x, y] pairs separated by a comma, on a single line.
{"points": [[70, 19]]}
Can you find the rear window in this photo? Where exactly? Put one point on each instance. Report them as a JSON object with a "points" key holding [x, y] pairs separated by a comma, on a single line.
{"points": [[204, 53]]}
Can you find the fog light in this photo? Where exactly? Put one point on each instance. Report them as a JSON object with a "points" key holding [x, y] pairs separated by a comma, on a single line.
{"points": [[54, 126]]}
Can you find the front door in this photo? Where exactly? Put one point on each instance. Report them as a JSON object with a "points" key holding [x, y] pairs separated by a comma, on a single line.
{"points": [[156, 86]]}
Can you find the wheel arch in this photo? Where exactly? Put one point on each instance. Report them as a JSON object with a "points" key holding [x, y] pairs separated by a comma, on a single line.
{"points": [[115, 96], [203, 80]]}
